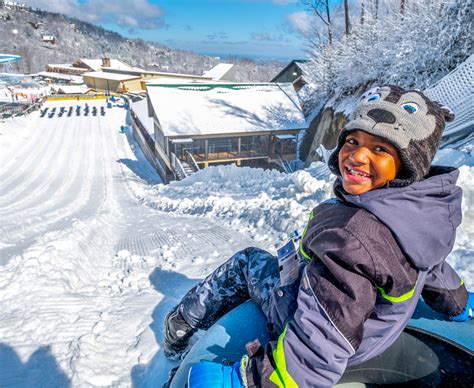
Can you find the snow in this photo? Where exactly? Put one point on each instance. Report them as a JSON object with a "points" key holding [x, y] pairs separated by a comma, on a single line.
{"points": [[218, 71], [110, 76], [94, 250], [71, 89], [198, 109], [97, 64], [77, 79], [140, 108]]}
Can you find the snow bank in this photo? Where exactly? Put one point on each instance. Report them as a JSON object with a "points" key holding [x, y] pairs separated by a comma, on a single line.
{"points": [[268, 205], [265, 204], [83, 297]]}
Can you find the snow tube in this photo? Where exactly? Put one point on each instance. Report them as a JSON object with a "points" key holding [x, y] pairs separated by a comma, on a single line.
{"points": [[430, 352]]}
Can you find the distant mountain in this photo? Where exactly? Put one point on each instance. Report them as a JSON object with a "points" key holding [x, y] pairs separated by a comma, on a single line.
{"points": [[30, 33]]}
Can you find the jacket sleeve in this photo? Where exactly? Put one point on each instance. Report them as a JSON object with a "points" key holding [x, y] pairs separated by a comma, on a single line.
{"points": [[444, 291], [335, 297]]}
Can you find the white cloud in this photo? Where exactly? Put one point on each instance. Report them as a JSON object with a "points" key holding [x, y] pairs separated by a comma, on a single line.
{"points": [[137, 14], [263, 36], [302, 22]]}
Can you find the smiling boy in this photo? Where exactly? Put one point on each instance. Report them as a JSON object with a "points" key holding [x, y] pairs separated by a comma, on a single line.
{"points": [[364, 259], [367, 162]]}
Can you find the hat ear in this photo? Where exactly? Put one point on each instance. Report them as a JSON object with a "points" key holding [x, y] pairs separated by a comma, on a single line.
{"points": [[447, 112]]}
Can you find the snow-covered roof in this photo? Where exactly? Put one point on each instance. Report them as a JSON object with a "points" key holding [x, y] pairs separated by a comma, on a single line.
{"points": [[218, 71], [97, 64], [72, 89], [65, 66], [179, 80], [177, 77], [61, 76], [210, 109], [110, 76], [140, 108]]}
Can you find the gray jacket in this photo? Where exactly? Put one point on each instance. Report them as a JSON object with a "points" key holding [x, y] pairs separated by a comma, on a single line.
{"points": [[366, 261]]}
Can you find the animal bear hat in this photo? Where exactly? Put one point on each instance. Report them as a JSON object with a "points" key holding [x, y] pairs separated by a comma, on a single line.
{"points": [[407, 119]]}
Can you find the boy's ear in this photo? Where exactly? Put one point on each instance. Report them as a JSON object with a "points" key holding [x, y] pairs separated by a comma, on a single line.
{"points": [[447, 112]]}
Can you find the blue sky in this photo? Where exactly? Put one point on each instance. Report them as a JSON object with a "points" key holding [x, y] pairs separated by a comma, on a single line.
{"points": [[246, 28], [217, 27]]}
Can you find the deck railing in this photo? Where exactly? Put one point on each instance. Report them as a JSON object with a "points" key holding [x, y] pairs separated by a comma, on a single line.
{"points": [[189, 158]]}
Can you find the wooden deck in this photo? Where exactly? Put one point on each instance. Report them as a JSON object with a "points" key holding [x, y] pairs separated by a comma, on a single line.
{"points": [[227, 156]]}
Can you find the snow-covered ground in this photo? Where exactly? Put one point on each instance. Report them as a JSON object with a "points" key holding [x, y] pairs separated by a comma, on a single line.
{"points": [[94, 250]]}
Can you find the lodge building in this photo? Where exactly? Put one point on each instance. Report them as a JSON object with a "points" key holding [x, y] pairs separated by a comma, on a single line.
{"points": [[197, 125]]}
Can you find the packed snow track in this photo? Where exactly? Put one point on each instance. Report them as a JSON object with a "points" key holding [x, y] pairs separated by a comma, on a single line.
{"points": [[94, 250], [87, 272]]}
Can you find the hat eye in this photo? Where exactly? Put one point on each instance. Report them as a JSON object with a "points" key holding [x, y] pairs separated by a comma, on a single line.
{"points": [[410, 107], [373, 97], [369, 92]]}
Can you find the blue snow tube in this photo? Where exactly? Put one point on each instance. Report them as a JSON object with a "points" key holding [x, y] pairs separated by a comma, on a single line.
{"points": [[9, 58], [430, 352]]}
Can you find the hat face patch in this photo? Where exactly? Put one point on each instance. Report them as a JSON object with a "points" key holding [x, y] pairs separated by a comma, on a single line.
{"points": [[398, 118], [407, 119]]}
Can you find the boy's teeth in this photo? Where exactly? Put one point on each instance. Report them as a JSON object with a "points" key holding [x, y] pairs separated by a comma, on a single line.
{"points": [[357, 173]]}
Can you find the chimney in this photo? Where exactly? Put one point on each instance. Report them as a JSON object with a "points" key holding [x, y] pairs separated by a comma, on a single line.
{"points": [[105, 62]]}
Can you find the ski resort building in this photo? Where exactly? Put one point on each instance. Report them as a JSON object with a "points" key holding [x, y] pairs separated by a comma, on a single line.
{"points": [[222, 72], [294, 73], [65, 68], [158, 76], [61, 78], [112, 82], [100, 64], [197, 125]]}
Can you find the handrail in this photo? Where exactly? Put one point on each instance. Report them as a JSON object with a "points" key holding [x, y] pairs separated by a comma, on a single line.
{"points": [[177, 166], [284, 164], [193, 161]]}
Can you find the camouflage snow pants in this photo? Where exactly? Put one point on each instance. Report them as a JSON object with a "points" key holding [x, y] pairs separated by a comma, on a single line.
{"points": [[249, 274]]}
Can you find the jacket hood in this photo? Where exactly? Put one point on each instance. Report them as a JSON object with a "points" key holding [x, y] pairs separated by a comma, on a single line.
{"points": [[422, 216]]}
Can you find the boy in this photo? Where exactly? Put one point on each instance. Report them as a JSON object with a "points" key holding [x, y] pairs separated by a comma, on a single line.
{"points": [[364, 258]]}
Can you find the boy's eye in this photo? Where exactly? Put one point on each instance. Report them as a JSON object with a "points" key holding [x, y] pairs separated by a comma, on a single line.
{"points": [[380, 149], [351, 140], [410, 107], [373, 97]]}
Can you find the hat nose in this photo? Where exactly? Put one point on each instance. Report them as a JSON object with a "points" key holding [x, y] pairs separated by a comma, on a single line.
{"points": [[381, 116]]}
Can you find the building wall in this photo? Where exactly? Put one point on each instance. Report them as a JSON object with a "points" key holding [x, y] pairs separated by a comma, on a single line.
{"points": [[288, 75], [102, 84], [133, 85], [63, 70]]}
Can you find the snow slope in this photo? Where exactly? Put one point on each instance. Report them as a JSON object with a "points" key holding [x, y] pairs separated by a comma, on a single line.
{"points": [[94, 250]]}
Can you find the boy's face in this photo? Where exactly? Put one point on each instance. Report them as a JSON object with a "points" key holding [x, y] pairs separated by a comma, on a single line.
{"points": [[367, 162]]}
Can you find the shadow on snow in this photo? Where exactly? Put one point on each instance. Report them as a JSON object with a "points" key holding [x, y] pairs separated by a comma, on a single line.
{"points": [[41, 369]]}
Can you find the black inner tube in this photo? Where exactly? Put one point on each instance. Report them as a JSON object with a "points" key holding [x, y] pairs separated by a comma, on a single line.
{"points": [[416, 359]]}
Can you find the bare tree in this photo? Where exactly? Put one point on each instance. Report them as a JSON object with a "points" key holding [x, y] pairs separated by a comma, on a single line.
{"points": [[346, 17], [362, 11], [402, 6], [321, 9], [376, 15]]}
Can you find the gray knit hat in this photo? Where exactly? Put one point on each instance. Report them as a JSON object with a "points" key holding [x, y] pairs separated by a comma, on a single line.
{"points": [[410, 121]]}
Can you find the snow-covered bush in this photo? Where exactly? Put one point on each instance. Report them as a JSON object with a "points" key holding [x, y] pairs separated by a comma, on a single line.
{"points": [[413, 49]]}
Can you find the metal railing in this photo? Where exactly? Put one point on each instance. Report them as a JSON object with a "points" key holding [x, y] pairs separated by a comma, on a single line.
{"points": [[178, 168], [190, 159], [18, 108]]}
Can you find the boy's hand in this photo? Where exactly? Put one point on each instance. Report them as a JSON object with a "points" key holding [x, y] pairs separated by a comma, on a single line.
{"points": [[468, 311], [210, 374]]}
